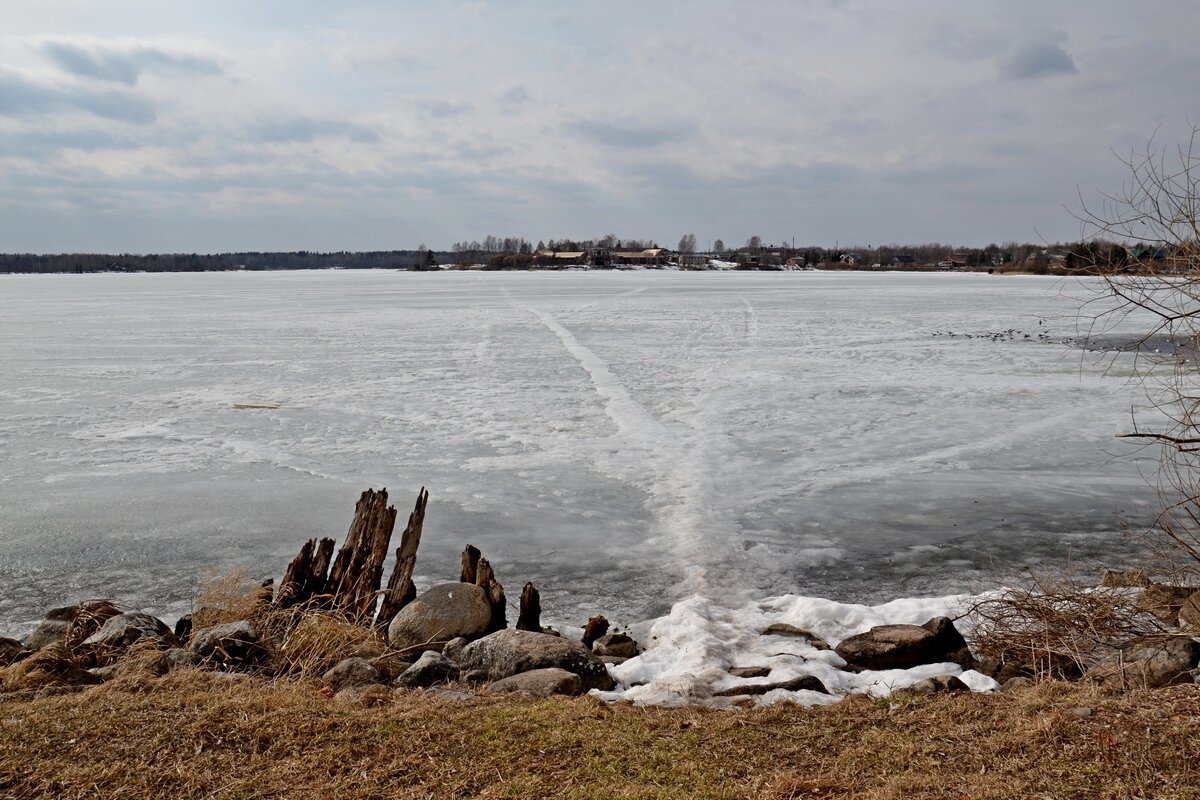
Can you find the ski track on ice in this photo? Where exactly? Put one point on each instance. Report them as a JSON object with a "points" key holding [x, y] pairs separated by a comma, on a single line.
{"points": [[751, 320]]}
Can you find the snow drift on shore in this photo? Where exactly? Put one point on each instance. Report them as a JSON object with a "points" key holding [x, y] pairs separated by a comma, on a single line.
{"points": [[689, 652]]}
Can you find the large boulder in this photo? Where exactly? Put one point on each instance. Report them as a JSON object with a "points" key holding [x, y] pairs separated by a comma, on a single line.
{"points": [[906, 646], [784, 629], [11, 651], [1149, 665], [511, 652], [123, 630], [803, 683], [430, 669], [440, 614], [540, 683], [1189, 613], [48, 632], [351, 673], [233, 645]]}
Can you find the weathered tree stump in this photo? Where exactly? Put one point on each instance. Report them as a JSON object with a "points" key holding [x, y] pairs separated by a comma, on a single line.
{"points": [[530, 616], [596, 627], [470, 564], [305, 577], [358, 569], [400, 590], [486, 579]]}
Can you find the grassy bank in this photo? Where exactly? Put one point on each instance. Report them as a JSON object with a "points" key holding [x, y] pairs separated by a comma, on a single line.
{"points": [[195, 735]]}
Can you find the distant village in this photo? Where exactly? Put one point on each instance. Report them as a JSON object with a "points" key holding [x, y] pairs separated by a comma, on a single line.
{"points": [[610, 252]]}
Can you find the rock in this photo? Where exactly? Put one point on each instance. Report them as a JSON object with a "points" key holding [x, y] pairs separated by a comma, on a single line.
{"points": [[615, 644], [48, 632], [783, 629], [53, 665], [61, 614], [453, 648], [1124, 579], [942, 684], [1149, 665], [234, 644], [804, 682], [475, 677], [613, 661], [750, 672], [1164, 601], [179, 658], [1019, 682], [351, 673], [183, 627], [390, 666], [445, 612], [906, 646], [123, 630], [1189, 613], [1082, 712], [511, 652], [432, 667], [540, 683], [450, 694], [12, 651]]}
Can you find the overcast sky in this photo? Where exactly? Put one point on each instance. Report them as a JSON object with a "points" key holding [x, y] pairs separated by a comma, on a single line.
{"points": [[231, 125]]}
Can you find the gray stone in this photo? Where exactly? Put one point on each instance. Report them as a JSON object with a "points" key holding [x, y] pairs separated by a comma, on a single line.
{"points": [[351, 673], [364, 696], [1149, 665], [1189, 613], [475, 677], [442, 613], [1082, 712], [179, 658], [750, 672], [802, 683], [511, 652], [941, 684], [1019, 682], [613, 661], [783, 629], [431, 668], [540, 683], [61, 614], [1124, 579], [1164, 601], [48, 632], [123, 630], [12, 651], [449, 694], [234, 644], [454, 648], [906, 646], [615, 644]]}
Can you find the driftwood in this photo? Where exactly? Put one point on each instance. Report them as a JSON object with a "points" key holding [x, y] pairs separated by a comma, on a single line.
{"points": [[596, 627], [470, 564], [400, 589], [530, 616], [486, 579], [358, 569]]}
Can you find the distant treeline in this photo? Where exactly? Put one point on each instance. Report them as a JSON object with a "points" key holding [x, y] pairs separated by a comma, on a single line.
{"points": [[177, 262]]}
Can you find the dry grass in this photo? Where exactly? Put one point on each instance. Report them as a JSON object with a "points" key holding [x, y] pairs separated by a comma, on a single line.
{"points": [[226, 597], [1057, 630], [201, 736], [310, 643]]}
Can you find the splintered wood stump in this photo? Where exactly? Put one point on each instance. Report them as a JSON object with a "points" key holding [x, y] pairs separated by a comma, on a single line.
{"points": [[470, 564], [596, 627], [486, 579], [358, 569], [400, 589], [530, 616], [306, 574]]}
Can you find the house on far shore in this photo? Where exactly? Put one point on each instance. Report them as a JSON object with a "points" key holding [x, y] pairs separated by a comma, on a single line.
{"points": [[650, 257], [956, 261], [903, 260]]}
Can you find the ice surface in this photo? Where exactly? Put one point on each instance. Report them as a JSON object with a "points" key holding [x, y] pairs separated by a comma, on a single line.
{"points": [[624, 440]]}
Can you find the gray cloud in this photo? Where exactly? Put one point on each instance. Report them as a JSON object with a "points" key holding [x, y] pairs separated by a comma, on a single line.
{"points": [[442, 108], [124, 65], [631, 135], [1040, 60], [307, 129], [19, 97]]}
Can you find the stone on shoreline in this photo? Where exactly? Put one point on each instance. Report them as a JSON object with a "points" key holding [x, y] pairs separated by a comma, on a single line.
{"points": [[615, 644], [906, 646], [540, 683], [511, 652], [235, 645], [123, 630], [430, 669], [444, 612]]}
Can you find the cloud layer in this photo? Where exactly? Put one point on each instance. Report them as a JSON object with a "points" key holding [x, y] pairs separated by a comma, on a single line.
{"points": [[223, 126]]}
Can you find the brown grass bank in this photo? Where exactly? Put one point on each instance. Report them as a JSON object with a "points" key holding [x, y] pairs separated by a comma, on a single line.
{"points": [[195, 735]]}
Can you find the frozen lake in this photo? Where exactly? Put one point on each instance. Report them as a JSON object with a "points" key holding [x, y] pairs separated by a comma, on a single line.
{"points": [[621, 439]]}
